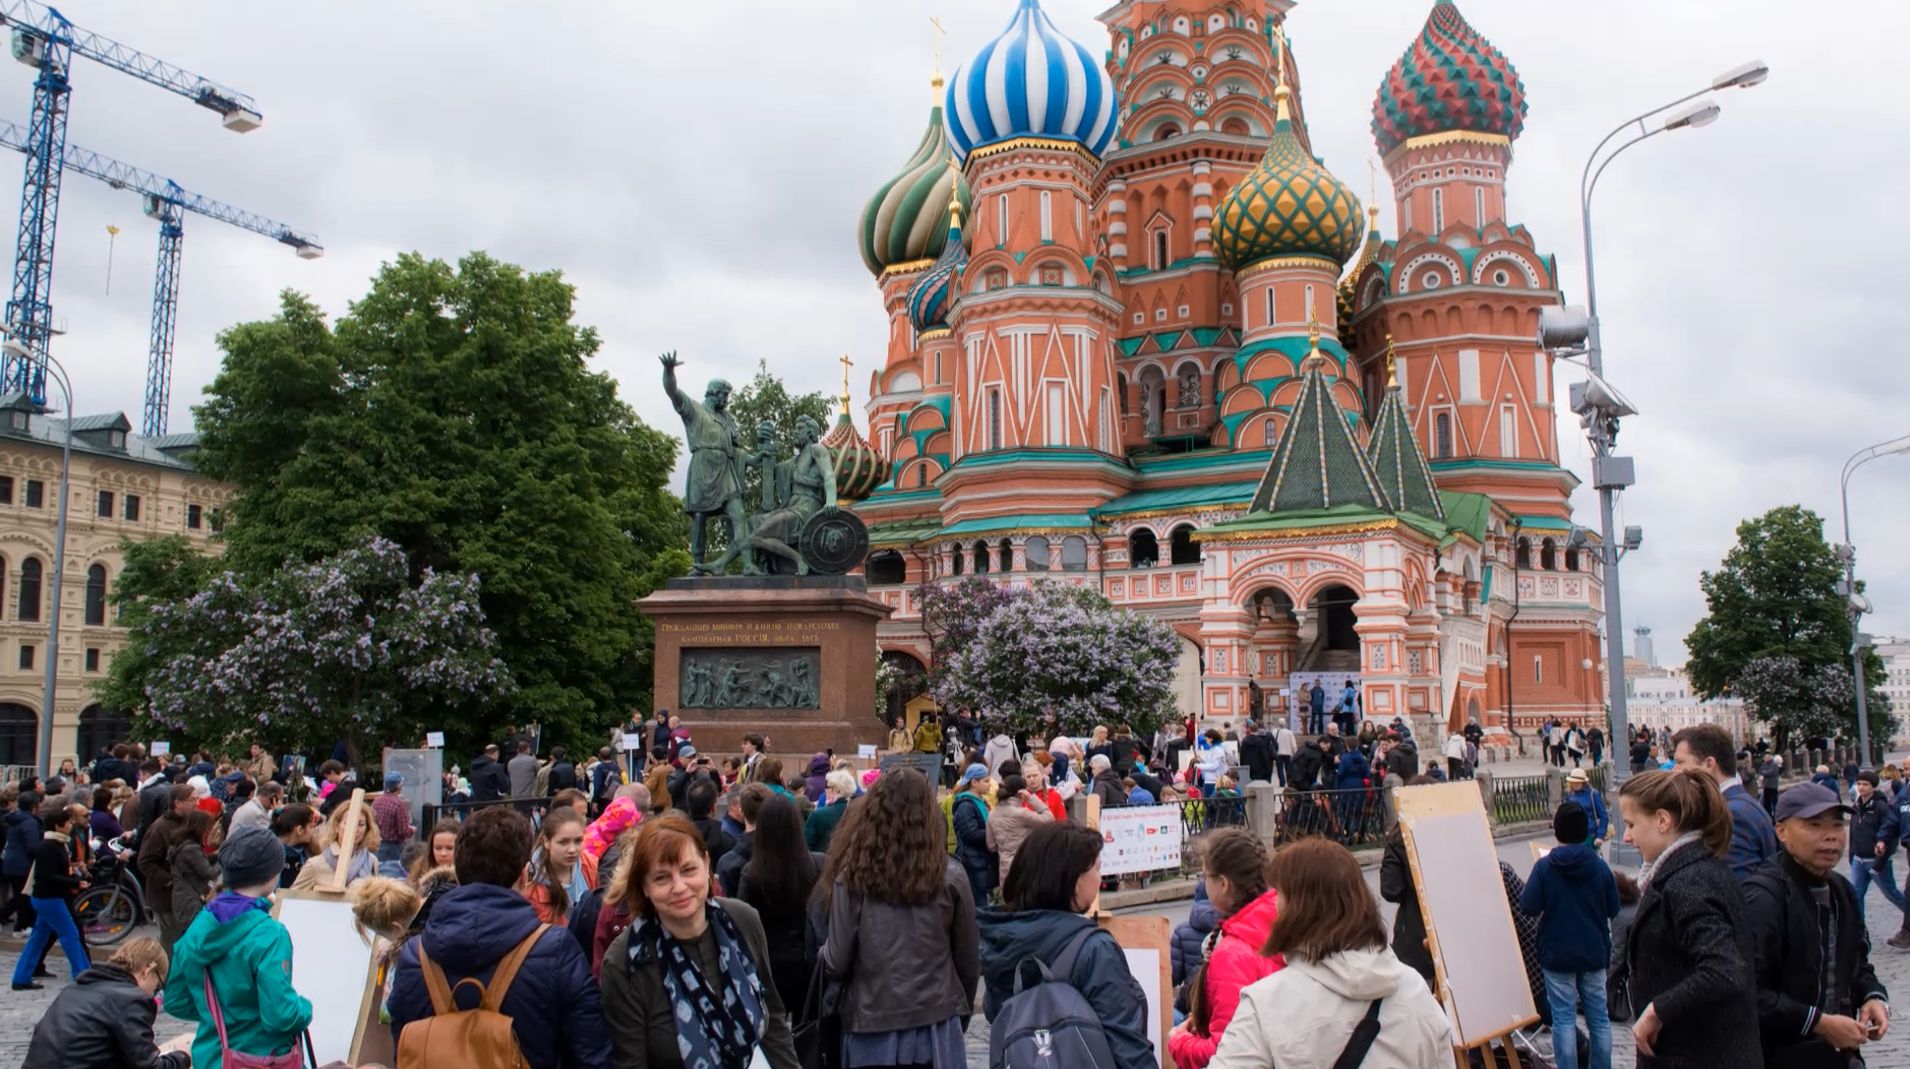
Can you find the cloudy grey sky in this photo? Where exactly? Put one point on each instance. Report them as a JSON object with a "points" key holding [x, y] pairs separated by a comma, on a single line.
{"points": [[697, 169]]}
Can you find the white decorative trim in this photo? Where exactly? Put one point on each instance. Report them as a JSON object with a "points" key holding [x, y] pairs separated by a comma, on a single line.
{"points": [[1405, 275], [1488, 259]]}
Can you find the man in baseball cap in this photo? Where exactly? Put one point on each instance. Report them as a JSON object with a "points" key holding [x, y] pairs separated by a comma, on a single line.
{"points": [[1818, 998]]}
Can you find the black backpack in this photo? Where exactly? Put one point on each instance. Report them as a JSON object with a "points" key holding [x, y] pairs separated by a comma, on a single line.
{"points": [[1049, 1024]]}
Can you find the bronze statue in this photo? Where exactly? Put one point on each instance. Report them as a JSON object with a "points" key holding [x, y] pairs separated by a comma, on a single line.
{"points": [[804, 484], [715, 484]]}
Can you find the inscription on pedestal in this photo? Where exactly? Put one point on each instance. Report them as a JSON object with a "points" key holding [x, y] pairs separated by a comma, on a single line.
{"points": [[778, 677]]}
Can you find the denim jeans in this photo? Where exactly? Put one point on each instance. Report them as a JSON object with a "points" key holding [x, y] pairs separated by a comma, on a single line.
{"points": [[1862, 872], [1571, 994], [54, 921]]}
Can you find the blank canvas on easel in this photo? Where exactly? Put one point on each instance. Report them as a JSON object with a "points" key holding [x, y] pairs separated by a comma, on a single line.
{"points": [[1475, 947]]}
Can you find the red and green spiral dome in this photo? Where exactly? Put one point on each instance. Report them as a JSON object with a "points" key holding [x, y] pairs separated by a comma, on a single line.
{"points": [[1450, 79]]}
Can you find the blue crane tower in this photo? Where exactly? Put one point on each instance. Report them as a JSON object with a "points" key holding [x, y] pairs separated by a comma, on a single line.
{"points": [[43, 39], [167, 204]]}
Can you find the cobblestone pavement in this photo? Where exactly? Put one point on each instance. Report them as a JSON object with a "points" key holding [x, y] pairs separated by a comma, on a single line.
{"points": [[22, 1009]]}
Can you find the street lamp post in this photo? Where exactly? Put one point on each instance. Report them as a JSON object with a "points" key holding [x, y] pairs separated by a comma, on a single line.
{"points": [[1602, 407], [49, 685], [1855, 603]]}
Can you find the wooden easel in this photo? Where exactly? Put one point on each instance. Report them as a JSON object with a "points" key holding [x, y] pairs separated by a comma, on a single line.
{"points": [[1462, 800], [371, 1041]]}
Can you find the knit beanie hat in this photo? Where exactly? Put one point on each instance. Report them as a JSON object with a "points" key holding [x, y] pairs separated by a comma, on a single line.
{"points": [[1570, 824], [251, 857]]}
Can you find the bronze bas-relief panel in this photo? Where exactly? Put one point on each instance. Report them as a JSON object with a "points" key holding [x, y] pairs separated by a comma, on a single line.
{"points": [[784, 677]]}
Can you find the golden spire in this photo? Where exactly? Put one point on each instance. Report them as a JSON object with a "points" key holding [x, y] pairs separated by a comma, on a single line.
{"points": [[1372, 196], [1314, 357], [939, 34], [1392, 365], [1282, 96], [846, 365], [954, 194]]}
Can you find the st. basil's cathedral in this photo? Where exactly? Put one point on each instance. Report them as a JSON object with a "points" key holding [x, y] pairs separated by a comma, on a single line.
{"points": [[1140, 337]]}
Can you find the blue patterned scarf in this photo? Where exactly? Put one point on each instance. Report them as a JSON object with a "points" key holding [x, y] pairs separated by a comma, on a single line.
{"points": [[716, 1027]]}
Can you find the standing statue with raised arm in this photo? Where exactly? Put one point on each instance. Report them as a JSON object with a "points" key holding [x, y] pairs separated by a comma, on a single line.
{"points": [[715, 484]]}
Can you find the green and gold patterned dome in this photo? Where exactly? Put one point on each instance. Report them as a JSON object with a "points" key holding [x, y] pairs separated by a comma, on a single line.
{"points": [[1288, 205], [904, 225]]}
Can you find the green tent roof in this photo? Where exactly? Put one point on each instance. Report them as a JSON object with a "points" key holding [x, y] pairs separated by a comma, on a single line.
{"points": [[1318, 464], [1176, 497], [1397, 460]]}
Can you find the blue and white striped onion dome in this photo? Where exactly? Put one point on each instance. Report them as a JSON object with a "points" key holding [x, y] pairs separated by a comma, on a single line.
{"points": [[1032, 81], [930, 298]]}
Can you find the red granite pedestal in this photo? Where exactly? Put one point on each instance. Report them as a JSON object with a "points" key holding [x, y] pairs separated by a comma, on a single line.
{"points": [[791, 657]]}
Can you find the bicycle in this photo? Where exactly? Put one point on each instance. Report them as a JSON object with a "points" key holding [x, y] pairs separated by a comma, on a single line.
{"points": [[107, 912]]}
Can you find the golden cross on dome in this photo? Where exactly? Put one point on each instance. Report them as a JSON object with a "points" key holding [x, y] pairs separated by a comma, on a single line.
{"points": [[846, 365], [1313, 343], [1392, 365], [939, 34], [1281, 94]]}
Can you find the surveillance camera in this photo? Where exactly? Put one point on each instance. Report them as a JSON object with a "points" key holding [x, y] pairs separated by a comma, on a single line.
{"points": [[1579, 538], [1845, 552], [1564, 326], [1595, 395], [1634, 537]]}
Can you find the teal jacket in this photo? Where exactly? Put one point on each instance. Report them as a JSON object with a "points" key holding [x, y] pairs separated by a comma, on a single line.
{"points": [[250, 959]]}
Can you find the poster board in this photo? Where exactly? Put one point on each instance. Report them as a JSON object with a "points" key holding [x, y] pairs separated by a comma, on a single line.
{"points": [[1479, 969], [332, 966], [1140, 838], [1144, 942], [928, 764], [423, 771]]}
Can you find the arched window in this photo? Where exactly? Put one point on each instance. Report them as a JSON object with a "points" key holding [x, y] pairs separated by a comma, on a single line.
{"points": [[1439, 211], [1182, 546], [96, 596], [1166, 131], [885, 568], [1235, 127], [1120, 390], [1270, 434], [1160, 250], [1522, 553], [1548, 555], [1074, 554], [1571, 560], [19, 730], [1035, 552], [1005, 555], [100, 729], [994, 419], [957, 561], [1143, 551], [1442, 436], [30, 589], [981, 558]]}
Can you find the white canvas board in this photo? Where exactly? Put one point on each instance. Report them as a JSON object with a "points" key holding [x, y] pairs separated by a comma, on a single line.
{"points": [[1464, 900], [1146, 967], [331, 965]]}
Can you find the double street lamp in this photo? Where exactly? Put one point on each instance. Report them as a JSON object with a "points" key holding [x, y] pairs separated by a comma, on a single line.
{"points": [[1573, 333], [1855, 603], [15, 350]]}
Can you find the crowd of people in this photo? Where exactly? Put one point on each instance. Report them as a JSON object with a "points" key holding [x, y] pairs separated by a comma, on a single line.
{"points": [[682, 909]]}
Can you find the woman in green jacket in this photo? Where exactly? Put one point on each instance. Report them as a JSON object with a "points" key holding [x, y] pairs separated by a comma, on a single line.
{"points": [[247, 954]]}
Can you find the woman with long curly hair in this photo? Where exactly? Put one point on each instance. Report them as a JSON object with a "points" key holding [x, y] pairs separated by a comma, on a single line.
{"points": [[902, 933]]}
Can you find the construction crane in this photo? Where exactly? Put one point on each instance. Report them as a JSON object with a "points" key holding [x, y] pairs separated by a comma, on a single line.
{"points": [[167, 204], [42, 38]]}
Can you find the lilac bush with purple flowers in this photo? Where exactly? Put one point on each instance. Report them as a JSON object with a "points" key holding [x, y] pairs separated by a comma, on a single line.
{"points": [[347, 647], [1064, 651]]}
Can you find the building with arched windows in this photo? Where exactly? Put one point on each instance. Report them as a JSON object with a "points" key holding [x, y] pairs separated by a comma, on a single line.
{"points": [[122, 487], [1141, 338]]}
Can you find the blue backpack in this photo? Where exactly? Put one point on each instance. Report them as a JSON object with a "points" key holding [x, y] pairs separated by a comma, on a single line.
{"points": [[1048, 1024]]}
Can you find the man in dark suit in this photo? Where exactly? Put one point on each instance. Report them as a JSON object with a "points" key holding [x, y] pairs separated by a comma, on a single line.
{"points": [[1708, 748]]}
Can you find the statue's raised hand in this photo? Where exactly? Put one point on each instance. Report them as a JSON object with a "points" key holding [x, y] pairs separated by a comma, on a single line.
{"points": [[670, 360]]}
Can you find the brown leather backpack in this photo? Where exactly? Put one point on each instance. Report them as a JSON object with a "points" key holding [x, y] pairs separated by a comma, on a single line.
{"points": [[478, 1038]]}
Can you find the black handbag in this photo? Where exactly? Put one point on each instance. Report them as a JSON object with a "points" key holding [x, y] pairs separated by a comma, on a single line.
{"points": [[818, 1031]]}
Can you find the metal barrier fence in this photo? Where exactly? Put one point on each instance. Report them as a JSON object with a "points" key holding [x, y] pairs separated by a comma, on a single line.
{"points": [[1355, 817], [1520, 799]]}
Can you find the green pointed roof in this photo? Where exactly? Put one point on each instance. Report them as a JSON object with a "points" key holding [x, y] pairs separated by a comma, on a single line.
{"points": [[1318, 464], [1398, 461]]}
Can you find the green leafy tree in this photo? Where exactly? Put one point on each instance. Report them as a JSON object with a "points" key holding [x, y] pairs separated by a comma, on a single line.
{"points": [[1777, 634], [453, 411], [158, 571]]}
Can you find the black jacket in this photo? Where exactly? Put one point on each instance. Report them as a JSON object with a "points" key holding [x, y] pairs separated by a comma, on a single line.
{"points": [[1872, 821], [563, 777], [1409, 923], [1305, 773], [103, 1021], [1786, 956], [23, 838], [489, 780], [1688, 953], [1125, 752], [1256, 752], [154, 800], [52, 871], [1403, 760], [729, 867]]}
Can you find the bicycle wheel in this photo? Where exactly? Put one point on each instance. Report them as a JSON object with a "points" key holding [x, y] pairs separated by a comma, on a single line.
{"points": [[105, 915]]}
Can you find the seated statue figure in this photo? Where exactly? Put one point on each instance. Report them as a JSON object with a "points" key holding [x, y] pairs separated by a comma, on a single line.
{"points": [[808, 484]]}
